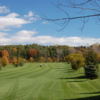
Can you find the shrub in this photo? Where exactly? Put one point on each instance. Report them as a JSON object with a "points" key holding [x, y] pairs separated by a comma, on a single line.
{"points": [[0, 66], [54, 59], [21, 63], [17, 62]]}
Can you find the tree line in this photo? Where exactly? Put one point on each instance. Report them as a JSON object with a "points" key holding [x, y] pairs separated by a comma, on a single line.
{"points": [[41, 53], [80, 56]]}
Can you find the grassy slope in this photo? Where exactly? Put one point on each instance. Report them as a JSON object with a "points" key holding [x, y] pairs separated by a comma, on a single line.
{"points": [[50, 82]]}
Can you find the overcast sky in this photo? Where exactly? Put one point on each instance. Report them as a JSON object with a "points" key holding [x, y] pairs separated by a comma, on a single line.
{"points": [[20, 23]]}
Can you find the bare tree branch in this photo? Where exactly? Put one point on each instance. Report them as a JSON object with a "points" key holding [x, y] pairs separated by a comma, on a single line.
{"points": [[86, 5], [71, 17]]}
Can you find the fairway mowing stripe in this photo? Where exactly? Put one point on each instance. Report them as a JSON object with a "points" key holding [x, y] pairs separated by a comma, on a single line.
{"points": [[52, 81], [91, 86], [13, 68], [4, 73], [26, 73], [62, 87], [75, 90], [4, 88], [12, 91], [96, 83], [41, 73], [67, 88], [20, 73], [34, 72]]}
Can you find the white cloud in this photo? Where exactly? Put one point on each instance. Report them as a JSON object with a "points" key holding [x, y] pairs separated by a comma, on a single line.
{"points": [[11, 20], [15, 20], [3, 9], [24, 36], [3, 39], [3, 35], [31, 16], [12, 15], [45, 22]]}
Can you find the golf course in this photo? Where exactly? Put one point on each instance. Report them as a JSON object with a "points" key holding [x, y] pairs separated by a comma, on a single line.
{"points": [[52, 81]]}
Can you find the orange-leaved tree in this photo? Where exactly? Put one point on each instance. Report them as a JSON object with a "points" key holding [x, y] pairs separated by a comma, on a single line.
{"points": [[32, 52], [5, 53]]}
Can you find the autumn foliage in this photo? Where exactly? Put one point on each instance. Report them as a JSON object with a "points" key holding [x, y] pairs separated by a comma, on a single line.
{"points": [[32, 52], [54, 59], [41, 59], [4, 61], [15, 50], [31, 59], [5, 53], [49, 60], [14, 61], [76, 60]]}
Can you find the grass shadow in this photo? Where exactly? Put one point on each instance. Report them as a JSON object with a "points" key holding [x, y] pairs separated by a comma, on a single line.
{"points": [[91, 93], [86, 98], [76, 79], [79, 77]]}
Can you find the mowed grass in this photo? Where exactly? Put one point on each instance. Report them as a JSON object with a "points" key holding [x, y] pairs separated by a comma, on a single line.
{"points": [[52, 81]]}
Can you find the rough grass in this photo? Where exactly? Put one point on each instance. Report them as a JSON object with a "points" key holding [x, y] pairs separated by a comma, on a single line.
{"points": [[53, 81]]}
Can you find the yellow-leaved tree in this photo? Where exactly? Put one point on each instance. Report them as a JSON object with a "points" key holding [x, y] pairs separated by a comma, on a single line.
{"points": [[14, 61], [31, 59], [4, 61], [49, 60], [76, 60], [41, 59]]}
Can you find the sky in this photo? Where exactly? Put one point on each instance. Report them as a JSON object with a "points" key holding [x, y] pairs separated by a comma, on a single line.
{"points": [[21, 23]]}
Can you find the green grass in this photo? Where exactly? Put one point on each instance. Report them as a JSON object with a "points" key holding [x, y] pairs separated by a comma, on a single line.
{"points": [[53, 81]]}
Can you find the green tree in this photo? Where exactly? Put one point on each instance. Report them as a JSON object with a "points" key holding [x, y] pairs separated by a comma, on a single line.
{"points": [[91, 57], [91, 68]]}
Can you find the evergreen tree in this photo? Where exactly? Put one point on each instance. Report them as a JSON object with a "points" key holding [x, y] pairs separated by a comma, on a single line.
{"points": [[91, 68]]}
